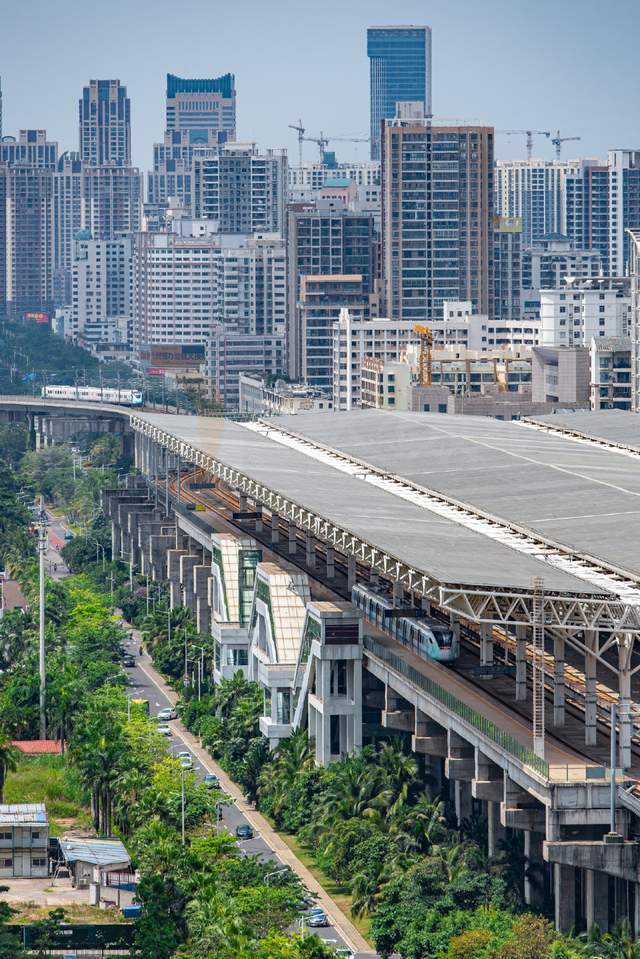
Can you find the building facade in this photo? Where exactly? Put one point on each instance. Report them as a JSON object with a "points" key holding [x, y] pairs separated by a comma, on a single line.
{"points": [[582, 310], [507, 267], [437, 218], [229, 353], [250, 284], [201, 105], [325, 239], [172, 172], [561, 374], [535, 191], [634, 327], [31, 148], [610, 373], [356, 340], [400, 72], [102, 291], [241, 188], [105, 123]]}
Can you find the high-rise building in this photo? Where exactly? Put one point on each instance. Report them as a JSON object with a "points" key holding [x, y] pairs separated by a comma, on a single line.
{"points": [[229, 353], [101, 301], [534, 190], [173, 164], [321, 300], [105, 123], [507, 267], [28, 247], [31, 148], [400, 72], [634, 244], [201, 105], [250, 284], [356, 340], [325, 239], [437, 217], [4, 186], [68, 219], [241, 188], [610, 373], [112, 200]]}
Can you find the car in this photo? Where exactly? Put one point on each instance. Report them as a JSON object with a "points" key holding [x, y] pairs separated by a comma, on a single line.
{"points": [[163, 729], [128, 660], [168, 712], [186, 763], [68, 535], [317, 919], [211, 781], [244, 832], [344, 954]]}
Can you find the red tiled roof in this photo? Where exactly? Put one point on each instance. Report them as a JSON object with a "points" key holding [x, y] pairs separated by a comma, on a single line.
{"points": [[12, 595], [37, 747]]}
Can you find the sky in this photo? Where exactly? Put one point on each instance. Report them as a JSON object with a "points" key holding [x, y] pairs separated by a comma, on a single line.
{"points": [[542, 64]]}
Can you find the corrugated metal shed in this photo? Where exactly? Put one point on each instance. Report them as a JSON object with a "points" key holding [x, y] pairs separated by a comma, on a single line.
{"points": [[97, 852]]}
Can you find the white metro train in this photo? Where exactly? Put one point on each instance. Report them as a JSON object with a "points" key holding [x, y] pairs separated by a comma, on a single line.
{"points": [[93, 394], [427, 637]]}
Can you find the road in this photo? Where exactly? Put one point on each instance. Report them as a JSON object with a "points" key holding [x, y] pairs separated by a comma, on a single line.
{"points": [[142, 685]]}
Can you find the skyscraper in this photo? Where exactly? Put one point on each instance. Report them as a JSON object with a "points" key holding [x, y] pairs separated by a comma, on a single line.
{"points": [[437, 218], [400, 72], [105, 123], [201, 105]]}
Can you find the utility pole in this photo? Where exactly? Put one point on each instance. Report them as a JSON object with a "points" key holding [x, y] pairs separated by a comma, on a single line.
{"points": [[42, 549], [182, 800]]}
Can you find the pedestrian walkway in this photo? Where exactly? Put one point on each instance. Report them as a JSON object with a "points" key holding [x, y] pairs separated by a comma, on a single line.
{"points": [[341, 923]]}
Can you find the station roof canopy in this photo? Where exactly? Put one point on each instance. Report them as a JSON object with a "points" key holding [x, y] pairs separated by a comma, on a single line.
{"points": [[444, 549], [612, 426]]}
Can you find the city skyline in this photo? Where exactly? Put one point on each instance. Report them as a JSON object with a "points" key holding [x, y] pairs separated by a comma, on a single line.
{"points": [[553, 50]]}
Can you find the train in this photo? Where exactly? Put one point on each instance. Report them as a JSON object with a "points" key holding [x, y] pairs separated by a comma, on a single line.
{"points": [[426, 637], [93, 394]]}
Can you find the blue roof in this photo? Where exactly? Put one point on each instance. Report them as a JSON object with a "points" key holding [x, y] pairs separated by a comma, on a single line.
{"points": [[99, 852], [224, 85], [338, 181]]}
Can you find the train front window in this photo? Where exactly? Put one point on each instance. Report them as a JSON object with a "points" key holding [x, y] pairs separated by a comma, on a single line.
{"points": [[444, 638]]}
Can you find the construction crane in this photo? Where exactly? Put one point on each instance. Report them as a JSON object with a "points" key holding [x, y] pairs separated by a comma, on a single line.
{"points": [[300, 131], [425, 362], [322, 141], [529, 134], [557, 141]]}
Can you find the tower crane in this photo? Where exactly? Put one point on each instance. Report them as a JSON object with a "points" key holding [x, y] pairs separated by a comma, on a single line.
{"points": [[322, 141], [529, 135], [300, 131], [425, 335], [557, 141]]}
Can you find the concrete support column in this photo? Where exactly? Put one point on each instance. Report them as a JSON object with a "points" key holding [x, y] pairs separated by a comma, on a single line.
{"points": [[309, 550], [564, 895], [275, 529], [434, 772], [398, 593], [534, 882], [558, 681], [635, 918], [330, 554], [426, 605], [463, 800], [116, 540], [590, 704], [291, 533], [521, 663], [495, 830], [201, 576], [242, 502], [625, 652], [374, 579], [486, 644], [596, 899], [351, 572]]}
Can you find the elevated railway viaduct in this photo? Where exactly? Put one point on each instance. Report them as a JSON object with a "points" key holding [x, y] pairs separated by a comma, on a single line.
{"points": [[523, 536]]}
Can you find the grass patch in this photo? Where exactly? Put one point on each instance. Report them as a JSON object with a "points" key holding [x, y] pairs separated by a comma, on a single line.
{"points": [[29, 912], [49, 779], [338, 893]]}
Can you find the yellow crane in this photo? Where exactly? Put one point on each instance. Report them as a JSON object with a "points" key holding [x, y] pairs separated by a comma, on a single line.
{"points": [[425, 336]]}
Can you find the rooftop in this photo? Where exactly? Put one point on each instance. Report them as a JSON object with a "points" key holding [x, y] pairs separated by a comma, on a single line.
{"points": [[99, 852], [23, 813]]}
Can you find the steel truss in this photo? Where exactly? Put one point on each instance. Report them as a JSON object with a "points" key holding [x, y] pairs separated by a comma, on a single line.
{"points": [[572, 613]]}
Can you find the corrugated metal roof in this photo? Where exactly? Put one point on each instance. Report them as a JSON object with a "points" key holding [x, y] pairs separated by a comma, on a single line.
{"points": [[99, 852], [22, 813]]}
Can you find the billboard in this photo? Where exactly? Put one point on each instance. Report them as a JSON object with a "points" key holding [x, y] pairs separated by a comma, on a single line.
{"points": [[36, 317]]}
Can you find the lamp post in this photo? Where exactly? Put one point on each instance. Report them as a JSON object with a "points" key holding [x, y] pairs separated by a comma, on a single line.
{"points": [[276, 872], [42, 549]]}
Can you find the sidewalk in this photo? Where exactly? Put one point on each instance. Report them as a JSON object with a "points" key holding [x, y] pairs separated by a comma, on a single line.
{"points": [[339, 921]]}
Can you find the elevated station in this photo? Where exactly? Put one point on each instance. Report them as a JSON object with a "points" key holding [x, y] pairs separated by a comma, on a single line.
{"points": [[520, 538]]}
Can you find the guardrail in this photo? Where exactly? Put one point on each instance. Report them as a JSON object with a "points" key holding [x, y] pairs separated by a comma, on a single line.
{"points": [[484, 726]]}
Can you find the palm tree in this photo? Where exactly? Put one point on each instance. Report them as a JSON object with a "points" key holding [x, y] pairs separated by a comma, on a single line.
{"points": [[8, 760]]}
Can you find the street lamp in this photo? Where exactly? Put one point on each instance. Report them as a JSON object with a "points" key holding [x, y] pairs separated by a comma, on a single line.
{"points": [[276, 872]]}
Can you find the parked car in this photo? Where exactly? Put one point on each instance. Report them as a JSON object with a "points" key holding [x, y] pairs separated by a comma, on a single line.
{"points": [[186, 759], [244, 832], [68, 535], [318, 918], [167, 713], [211, 781], [163, 729], [128, 660]]}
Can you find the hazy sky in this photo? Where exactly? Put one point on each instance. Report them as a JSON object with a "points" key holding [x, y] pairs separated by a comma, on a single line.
{"points": [[547, 64]]}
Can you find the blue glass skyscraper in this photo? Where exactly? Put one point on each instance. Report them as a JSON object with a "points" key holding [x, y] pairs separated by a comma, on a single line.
{"points": [[400, 67]]}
